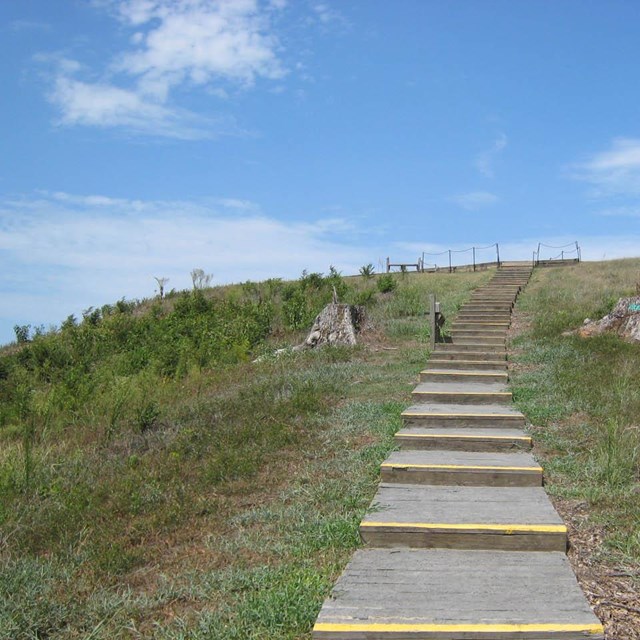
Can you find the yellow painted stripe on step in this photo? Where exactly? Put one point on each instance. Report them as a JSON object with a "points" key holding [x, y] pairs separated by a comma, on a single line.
{"points": [[502, 362], [453, 372], [461, 415], [551, 627], [447, 435], [396, 465], [467, 393], [506, 528]]}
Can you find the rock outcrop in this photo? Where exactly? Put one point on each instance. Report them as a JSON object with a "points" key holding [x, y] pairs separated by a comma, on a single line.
{"points": [[624, 320]]}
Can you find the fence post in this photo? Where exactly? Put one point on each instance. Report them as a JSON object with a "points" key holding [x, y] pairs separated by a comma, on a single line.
{"points": [[432, 320], [449, 260], [474, 258], [388, 267], [498, 254], [578, 251]]}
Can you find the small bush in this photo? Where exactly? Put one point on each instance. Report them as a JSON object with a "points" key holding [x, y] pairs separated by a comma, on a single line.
{"points": [[386, 283]]}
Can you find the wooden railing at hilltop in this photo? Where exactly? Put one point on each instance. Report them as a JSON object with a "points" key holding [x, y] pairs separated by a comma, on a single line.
{"points": [[569, 254], [423, 267]]}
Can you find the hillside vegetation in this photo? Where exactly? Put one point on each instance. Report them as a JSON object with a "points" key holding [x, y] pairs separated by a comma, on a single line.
{"points": [[583, 395], [157, 481]]}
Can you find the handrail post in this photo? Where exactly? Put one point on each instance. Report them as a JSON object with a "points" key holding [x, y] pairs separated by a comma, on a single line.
{"points": [[432, 320], [449, 260], [474, 258], [498, 254]]}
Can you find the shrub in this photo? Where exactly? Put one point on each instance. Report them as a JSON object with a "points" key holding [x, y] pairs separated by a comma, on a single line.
{"points": [[386, 283]]}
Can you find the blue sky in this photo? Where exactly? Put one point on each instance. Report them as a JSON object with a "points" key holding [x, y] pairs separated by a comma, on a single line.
{"points": [[257, 138]]}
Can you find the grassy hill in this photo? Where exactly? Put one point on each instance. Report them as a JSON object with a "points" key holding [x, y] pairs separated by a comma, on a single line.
{"points": [[157, 481]]}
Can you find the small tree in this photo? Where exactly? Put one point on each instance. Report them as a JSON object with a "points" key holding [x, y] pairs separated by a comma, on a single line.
{"points": [[22, 333], [161, 282], [367, 271], [200, 279]]}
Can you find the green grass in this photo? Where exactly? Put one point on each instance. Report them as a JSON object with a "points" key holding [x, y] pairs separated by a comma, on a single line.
{"points": [[201, 496], [583, 396]]}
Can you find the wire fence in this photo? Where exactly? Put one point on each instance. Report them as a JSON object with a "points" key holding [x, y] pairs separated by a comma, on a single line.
{"points": [[568, 252], [472, 259], [478, 258]]}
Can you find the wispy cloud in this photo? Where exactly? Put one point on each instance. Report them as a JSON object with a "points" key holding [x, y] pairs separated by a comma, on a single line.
{"points": [[486, 159], [65, 252], [474, 200], [213, 46], [29, 25], [613, 172], [621, 212], [329, 16]]}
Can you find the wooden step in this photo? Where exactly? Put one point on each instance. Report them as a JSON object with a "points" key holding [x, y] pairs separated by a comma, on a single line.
{"points": [[499, 296], [505, 518], [462, 468], [478, 365], [485, 316], [475, 345], [462, 393], [462, 415], [486, 306], [463, 439], [449, 352], [513, 288], [438, 594], [462, 375], [482, 324], [482, 334]]}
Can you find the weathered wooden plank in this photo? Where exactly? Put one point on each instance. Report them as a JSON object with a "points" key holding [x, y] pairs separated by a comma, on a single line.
{"points": [[463, 518], [448, 594], [462, 393], [477, 365], [461, 415], [462, 374], [463, 439], [463, 468]]}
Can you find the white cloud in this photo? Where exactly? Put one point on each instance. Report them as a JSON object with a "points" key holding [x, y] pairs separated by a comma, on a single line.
{"points": [[474, 200], [614, 172], [66, 252], [200, 43], [621, 212], [211, 45], [486, 159], [327, 15]]}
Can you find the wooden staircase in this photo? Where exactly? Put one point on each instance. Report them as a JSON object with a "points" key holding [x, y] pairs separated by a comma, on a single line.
{"points": [[461, 540]]}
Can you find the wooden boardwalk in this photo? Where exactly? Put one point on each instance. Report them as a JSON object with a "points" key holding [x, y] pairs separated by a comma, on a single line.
{"points": [[461, 540]]}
